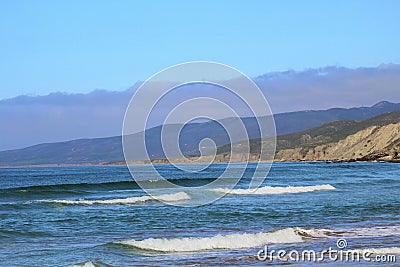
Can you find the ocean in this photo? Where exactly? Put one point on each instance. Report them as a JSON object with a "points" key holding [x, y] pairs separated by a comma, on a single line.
{"points": [[98, 216]]}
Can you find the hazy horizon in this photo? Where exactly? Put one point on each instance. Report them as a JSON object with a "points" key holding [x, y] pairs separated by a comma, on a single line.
{"points": [[62, 117]]}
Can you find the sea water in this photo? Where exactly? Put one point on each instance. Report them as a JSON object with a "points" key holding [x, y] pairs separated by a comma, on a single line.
{"points": [[98, 216]]}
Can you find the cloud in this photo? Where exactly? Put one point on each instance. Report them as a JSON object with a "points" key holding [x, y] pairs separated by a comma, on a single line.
{"points": [[27, 120], [57, 117], [331, 87]]}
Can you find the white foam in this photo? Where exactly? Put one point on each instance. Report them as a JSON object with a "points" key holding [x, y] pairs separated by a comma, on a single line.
{"points": [[378, 231], [377, 251], [232, 241], [84, 264], [274, 190], [315, 233], [130, 200], [246, 240]]}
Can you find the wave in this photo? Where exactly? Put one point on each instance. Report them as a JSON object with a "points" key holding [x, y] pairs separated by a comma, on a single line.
{"points": [[274, 190], [375, 231], [251, 240], [130, 200], [72, 188], [83, 264], [67, 189], [8, 233], [376, 251], [232, 241], [95, 263]]}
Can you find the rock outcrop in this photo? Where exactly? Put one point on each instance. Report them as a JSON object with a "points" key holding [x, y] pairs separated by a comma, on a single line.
{"points": [[373, 143]]}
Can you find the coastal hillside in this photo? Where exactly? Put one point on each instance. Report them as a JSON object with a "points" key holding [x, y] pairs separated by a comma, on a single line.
{"points": [[311, 144], [293, 129], [323, 134], [373, 143]]}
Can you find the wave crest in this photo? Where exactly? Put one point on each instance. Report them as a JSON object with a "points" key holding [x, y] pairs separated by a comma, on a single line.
{"points": [[247, 240], [274, 190], [377, 251], [232, 241], [83, 264], [130, 200]]}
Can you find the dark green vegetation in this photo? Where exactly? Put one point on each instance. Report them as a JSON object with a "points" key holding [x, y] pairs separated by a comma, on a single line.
{"points": [[291, 128]]}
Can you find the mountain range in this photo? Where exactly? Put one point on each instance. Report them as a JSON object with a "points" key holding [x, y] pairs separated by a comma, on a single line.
{"points": [[29, 120], [289, 126]]}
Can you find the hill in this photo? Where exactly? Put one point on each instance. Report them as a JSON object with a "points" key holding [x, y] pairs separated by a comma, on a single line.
{"points": [[98, 150], [375, 136], [373, 143]]}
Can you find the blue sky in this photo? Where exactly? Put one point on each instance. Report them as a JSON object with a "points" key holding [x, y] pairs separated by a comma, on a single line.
{"points": [[79, 46]]}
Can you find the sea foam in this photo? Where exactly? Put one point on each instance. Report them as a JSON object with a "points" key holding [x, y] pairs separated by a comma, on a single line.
{"points": [[377, 251], [83, 264], [130, 200], [232, 241], [274, 190], [249, 240], [378, 231]]}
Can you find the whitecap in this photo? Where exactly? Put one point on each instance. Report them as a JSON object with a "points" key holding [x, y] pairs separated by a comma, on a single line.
{"points": [[83, 264], [376, 251], [378, 231], [130, 200], [274, 190], [246, 240], [231, 241]]}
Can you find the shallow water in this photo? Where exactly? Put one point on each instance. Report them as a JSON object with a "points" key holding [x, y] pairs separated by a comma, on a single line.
{"points": [[83, 215]]}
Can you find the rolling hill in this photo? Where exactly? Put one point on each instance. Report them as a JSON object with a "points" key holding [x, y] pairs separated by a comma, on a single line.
{"points": [[327, 133], [99, 150]]}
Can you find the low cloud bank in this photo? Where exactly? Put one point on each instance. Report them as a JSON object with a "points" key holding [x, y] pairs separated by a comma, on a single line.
{"points": [[30, 120]]}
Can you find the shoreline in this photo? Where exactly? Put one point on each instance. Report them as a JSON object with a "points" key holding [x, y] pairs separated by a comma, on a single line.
{"points": [[160, 162]]}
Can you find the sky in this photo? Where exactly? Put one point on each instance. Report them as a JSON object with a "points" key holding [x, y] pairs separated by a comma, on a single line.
{"points": [[79, 46], [30, 120]]}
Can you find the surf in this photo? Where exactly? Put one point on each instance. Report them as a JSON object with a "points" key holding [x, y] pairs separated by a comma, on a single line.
{"points": [[227, 242], [130, 200], [239, 241], [274, 190]]}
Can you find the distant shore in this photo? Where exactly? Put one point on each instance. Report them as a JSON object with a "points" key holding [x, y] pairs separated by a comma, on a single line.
{"points": [[163, 161]]}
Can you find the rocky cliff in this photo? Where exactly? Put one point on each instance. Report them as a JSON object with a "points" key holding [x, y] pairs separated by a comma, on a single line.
{"points": [[373, 143]]}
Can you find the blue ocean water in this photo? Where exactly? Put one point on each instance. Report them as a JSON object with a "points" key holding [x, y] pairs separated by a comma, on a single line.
{"points": [[99, 216]]}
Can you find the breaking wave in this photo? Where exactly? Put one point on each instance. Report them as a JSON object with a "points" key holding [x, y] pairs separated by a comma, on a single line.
{"points": [[251, 240], [83, 264], [130, 200], [232, 241], [377, 251], [375, 231], [274, 190]]}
